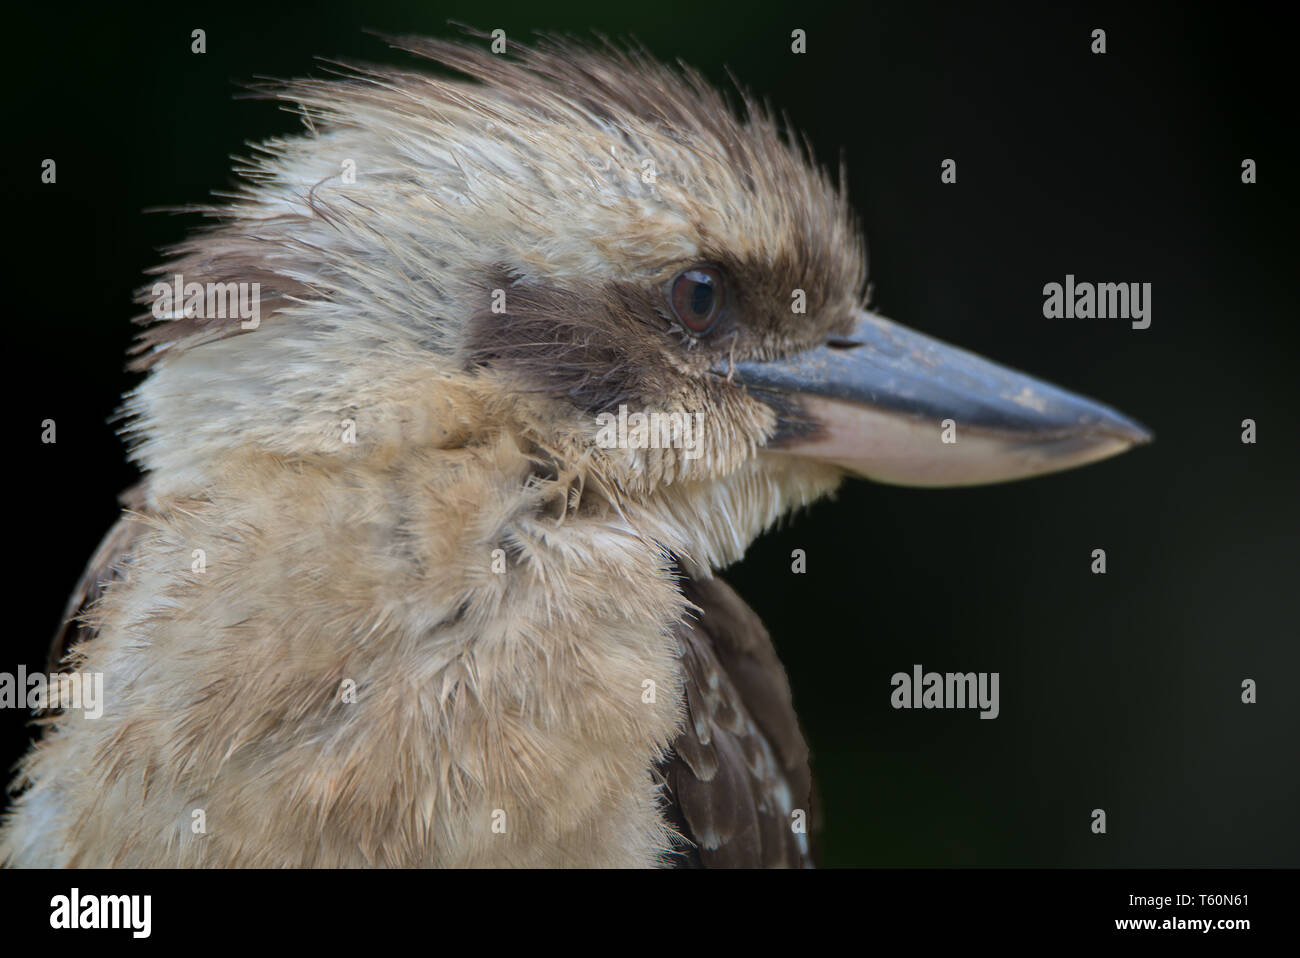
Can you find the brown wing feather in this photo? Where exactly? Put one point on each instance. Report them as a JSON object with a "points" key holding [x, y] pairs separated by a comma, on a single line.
{"points": [[104, 566], [740, 769]]}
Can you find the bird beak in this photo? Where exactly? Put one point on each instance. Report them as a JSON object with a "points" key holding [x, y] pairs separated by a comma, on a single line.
{"points": [[899, 407]]}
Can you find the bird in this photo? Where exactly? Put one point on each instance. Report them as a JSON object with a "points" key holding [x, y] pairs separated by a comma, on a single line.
{"points": [[423, 569]]}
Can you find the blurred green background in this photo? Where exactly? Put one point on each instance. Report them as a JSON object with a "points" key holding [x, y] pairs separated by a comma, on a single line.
{"points": [[1119, 692]]}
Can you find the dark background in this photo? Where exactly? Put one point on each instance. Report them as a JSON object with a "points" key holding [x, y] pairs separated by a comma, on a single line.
{"points": [[1119, 692]]}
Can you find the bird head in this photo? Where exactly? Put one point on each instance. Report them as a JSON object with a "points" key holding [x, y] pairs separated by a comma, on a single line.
{"points": [[592, 271]]}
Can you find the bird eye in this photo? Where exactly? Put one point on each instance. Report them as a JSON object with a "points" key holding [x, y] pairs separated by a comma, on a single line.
{"points": [[696, 298]]}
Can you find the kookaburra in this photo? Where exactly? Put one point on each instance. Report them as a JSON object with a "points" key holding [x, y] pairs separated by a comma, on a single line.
{"points": [[393, 591]]}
